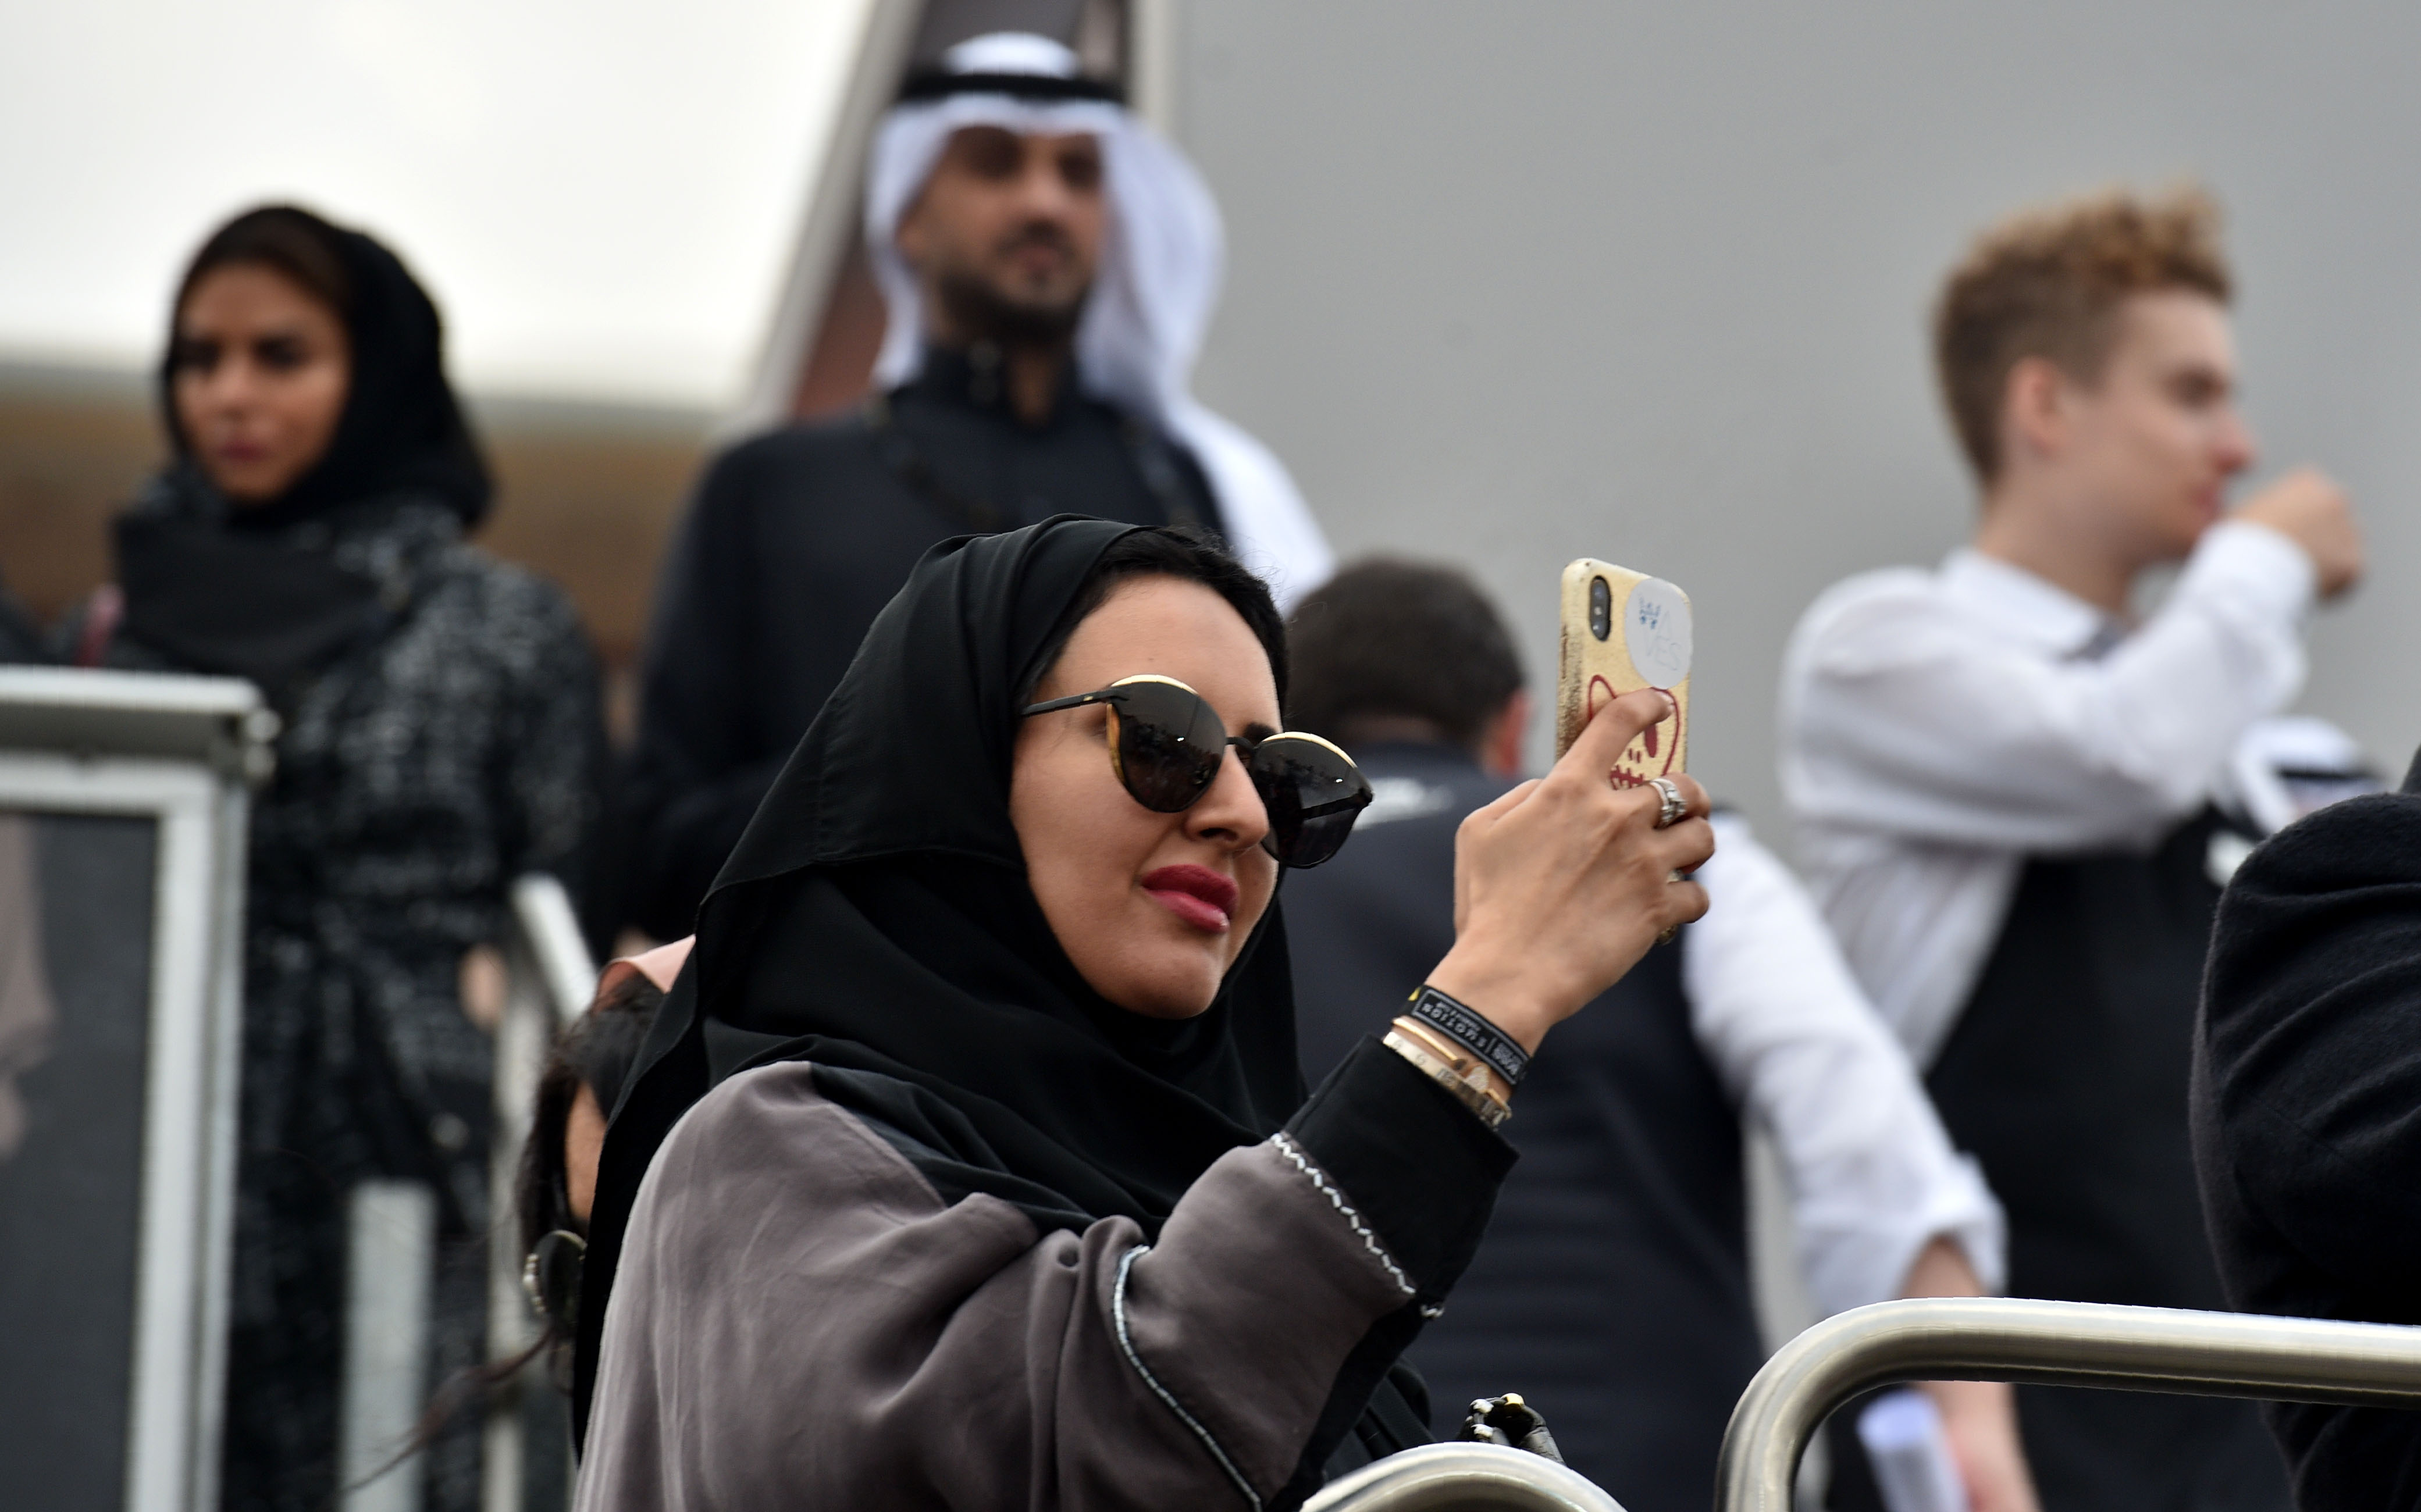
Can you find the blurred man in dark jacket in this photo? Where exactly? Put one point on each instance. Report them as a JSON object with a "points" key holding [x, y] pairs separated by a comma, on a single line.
{"points": [[1613, 1289]]}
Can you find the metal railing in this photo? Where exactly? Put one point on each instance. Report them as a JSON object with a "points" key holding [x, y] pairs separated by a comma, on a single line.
{"points": [[1463, 1477], [2048, 1343], [549, 959]]}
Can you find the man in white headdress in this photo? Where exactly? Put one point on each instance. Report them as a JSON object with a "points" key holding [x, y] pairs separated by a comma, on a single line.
{"points": [[1048, 267]]}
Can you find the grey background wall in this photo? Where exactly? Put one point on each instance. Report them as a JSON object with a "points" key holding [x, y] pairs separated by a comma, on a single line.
{"points": [[1518, 282]]}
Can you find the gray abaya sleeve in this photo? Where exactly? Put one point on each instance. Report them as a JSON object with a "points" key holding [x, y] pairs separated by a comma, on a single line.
{"points": [[800, 1322]]}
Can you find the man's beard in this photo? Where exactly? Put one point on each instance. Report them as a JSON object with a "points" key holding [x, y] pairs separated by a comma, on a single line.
{"points": [[983, 313]]}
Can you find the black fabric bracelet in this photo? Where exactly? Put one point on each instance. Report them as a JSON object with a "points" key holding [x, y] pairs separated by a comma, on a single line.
{"points": [[1465, 1027]]}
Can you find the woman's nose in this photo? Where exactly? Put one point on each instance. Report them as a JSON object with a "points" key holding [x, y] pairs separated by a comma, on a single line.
{"points": [[1230, 812], [231, 385]]}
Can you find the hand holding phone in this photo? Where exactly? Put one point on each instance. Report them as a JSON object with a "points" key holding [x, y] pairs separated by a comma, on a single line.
{"points": [[1565, 883]]}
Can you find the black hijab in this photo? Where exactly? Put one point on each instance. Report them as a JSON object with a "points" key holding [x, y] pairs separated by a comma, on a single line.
{"points": [[402, 430], [235, 590], [875, 919]]}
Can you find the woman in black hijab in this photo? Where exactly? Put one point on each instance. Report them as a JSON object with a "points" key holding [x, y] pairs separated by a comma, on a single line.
{"points": [[441, 735], [993, 1184]]}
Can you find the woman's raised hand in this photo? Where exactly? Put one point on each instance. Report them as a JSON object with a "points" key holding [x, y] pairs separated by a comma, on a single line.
{"points": [[1563, 883]]}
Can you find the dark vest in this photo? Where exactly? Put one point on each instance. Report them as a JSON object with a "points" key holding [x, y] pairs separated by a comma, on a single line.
{"points": [[1613, 1288], [2066, 1077]]}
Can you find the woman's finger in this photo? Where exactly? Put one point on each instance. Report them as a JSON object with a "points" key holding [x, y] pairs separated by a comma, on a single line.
{"points": [[1700, 805], [1684, 903], [1617, 724], [1686, 845]]}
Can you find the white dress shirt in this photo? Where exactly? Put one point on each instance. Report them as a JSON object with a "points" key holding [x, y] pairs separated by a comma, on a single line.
{"points": [[1939, 728], [1795, 1041]]}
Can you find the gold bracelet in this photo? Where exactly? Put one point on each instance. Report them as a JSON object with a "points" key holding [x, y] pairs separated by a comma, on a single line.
{"points": [[1490, 1109], [1467, 1068]]}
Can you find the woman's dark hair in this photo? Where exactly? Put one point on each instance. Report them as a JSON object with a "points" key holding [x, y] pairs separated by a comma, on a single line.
{"points": [[294, 243], [1186, 552], [595, 1052], [1386, 637]]}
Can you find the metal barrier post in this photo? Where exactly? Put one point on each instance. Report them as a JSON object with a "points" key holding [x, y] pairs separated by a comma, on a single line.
{"points": [[139, 1246], [551, 979], [2048, 1343]]}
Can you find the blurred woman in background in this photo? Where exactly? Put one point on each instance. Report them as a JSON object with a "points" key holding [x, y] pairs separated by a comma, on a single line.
{"points": [[442, 735]]}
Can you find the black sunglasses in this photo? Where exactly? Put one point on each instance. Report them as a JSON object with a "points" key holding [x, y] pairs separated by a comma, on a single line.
{"points": [[1166, 744]]}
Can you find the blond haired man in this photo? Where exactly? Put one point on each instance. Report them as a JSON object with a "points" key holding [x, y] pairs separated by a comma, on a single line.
{"points": [[2016, 800]]}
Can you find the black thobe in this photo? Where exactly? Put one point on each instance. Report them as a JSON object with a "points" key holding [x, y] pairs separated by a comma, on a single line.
{"points": [[2307, 1113], [797, 540]]}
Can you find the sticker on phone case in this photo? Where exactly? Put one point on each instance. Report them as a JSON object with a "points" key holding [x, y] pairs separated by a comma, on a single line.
{"points": [[1656, 632]]}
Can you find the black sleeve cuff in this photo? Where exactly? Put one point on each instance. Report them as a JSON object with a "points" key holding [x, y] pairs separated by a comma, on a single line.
{"points": [[1420, 1167]]}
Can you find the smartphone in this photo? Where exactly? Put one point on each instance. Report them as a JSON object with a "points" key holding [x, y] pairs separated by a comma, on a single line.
{"points": [[1624, 630]]}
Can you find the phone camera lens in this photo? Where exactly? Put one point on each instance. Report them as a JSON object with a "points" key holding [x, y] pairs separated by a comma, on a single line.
{"points": [[1600, 608]]}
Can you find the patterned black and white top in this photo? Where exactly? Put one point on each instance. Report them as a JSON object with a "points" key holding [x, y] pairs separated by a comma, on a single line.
{"points": [[455, 744]]}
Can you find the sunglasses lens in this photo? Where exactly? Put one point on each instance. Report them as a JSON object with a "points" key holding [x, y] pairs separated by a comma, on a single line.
{"points": [[1170, 743], [1313, 795]]}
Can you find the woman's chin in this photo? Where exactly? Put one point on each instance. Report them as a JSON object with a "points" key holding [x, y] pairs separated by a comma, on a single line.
{"points": [[1177, 989], [250, 487], [1159, 966], [1166, 1011]]}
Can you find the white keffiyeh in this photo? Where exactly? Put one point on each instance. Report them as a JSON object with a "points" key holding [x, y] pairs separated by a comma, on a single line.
{"points": [[1151, 300]]}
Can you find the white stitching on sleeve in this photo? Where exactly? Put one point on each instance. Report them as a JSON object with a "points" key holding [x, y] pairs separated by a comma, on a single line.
{"points": [[1118, 1314], [1293, 1151]]}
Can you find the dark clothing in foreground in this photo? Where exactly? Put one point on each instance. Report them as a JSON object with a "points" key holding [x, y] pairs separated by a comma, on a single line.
{"points": [[2307, 1089], [2066, 1077], [1613, 1289], [896, 1341], [442, 735], [969, 1235], [796, 539]]}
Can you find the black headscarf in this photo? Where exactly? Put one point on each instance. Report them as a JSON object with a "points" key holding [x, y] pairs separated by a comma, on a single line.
{"points": [[402, 430], [222, 588], [876, 920]]}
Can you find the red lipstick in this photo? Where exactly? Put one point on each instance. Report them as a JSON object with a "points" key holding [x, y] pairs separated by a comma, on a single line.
{"points": [[1198, 894]]}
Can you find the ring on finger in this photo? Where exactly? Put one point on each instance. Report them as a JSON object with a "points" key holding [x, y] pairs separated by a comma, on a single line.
{"points": [[1677, 807]]}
